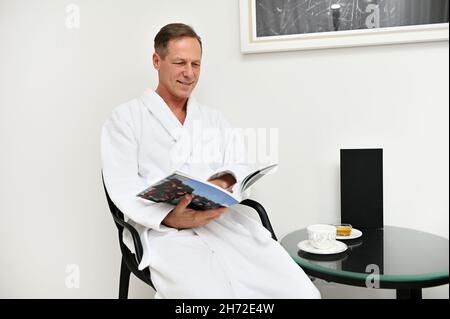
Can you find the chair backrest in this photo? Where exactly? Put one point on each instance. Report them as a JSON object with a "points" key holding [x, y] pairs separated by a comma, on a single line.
{"points": [[131, 260]]}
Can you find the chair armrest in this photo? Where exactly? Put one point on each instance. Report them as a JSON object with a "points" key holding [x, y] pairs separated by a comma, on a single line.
{"points": [[247, 202], [262, 214], [119, 220], [136, 239]]}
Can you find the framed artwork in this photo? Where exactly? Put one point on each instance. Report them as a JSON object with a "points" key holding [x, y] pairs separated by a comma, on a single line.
{"points": [[283, 25]]}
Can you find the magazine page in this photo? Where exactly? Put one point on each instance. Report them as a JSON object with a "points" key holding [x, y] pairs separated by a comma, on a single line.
{"points": [[204, 195], [255, 176]]}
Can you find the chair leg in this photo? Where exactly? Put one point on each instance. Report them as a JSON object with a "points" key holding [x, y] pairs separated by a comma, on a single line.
{"points": [[124, 280]]}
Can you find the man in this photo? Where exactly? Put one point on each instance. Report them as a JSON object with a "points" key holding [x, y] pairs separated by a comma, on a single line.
{"points": [[218, 253]]}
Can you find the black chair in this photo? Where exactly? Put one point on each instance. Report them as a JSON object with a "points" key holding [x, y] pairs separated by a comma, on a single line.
{"points": [[131, 261]]}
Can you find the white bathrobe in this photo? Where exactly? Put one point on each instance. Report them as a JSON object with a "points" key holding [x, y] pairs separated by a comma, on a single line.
{"points": [[230, 257]]}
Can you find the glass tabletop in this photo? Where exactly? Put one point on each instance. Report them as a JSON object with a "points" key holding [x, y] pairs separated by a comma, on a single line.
{"points": [[401, 256]]}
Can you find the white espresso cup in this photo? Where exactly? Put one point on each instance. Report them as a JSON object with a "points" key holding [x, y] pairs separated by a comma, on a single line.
{"points": [[321, 236]]}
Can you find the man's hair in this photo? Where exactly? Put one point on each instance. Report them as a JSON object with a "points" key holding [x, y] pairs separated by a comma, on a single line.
{"points": [[173, 31]]}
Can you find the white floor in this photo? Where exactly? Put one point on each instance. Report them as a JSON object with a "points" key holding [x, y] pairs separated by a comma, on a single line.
{"points": [[337, 291], [139, 290]]}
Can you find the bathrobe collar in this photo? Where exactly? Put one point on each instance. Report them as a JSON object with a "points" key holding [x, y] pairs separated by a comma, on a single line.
{"points": [[161, 111]]}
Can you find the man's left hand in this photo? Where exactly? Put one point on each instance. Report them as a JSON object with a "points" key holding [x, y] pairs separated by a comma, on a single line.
{"points": [[226, 182]]}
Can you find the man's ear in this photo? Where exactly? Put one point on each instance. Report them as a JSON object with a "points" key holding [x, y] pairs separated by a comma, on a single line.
{"points": [[156, 61]]}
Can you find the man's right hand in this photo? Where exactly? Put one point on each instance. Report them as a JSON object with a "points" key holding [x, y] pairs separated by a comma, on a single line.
{"points": [[182, 217]]}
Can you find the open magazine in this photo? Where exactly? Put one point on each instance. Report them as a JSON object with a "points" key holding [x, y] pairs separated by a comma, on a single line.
{"points": [[205, 195]]}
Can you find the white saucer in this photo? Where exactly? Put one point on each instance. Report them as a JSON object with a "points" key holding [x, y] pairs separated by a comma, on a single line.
{"points": [[356, 233], [337, 248]]}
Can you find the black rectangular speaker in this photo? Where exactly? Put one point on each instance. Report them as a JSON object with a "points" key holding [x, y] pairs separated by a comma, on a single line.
{"points": [[362, 187]]}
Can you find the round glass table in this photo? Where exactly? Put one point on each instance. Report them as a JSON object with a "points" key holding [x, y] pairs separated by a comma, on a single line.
{"points": [[391, 257]]}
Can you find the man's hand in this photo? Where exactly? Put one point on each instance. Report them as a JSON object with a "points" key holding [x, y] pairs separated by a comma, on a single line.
{"points": [[226, 182], [182, 217]]}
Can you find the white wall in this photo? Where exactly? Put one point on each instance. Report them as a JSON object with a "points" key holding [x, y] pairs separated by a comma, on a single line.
{"points": [[58, 85]]}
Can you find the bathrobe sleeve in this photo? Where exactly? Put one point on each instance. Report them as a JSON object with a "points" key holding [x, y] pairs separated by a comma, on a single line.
{"points": [[119, 151], [234, 158]]}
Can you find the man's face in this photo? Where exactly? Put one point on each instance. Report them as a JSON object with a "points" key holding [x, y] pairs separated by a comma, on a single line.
{"points": [[180, 69]]}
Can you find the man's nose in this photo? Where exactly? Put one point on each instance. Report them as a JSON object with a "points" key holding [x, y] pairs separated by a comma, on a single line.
{"points": [[188, 71]]}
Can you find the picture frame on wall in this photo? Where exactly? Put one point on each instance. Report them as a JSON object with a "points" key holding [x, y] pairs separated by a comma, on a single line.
{"points": [[285, 25]]}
